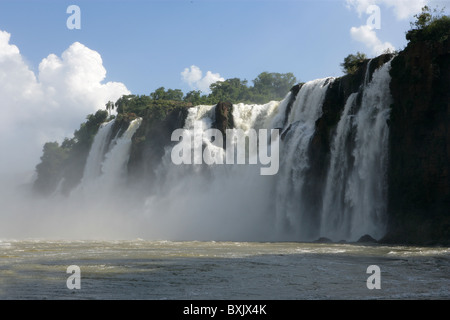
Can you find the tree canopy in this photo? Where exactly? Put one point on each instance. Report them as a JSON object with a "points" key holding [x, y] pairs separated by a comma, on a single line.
{"points": [[430, 25], [352, 62]]}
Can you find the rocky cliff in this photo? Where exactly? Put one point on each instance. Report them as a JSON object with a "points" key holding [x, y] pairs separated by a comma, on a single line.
{"points": [[418, 169], [419, 166]]}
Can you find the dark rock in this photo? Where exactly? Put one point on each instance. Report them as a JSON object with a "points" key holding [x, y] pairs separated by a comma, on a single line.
{"points": [[419, 138], [323, 240], [366, 239], [151, 138], [294, 91], [223, 118]]}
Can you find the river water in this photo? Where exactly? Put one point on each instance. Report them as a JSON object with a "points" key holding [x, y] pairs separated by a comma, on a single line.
{"points": [[170, 270]]}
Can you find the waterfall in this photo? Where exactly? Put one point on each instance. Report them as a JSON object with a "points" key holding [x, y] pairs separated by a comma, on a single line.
{"points": [[292, 216], [223, 201], [198, 201], [354, 201], [107, 161], [334, 206], [95, 157], [116, 160]]}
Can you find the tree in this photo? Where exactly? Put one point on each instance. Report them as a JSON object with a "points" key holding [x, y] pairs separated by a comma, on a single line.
{"points": [[352, 62], [158, 94], [123, 102], [272, 86], [429, 25], [194, 97], [109, 107], [232, 90], [50, 169], [423, 19], [174, 95], [170, 94]]}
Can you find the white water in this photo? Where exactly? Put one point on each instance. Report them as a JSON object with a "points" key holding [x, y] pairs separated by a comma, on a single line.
{"points": [[334, 207], [292, 218], [106, 169], [355, 193], [139, 269], [92, 169], [220, 202], [114, 168], [234, 202]]}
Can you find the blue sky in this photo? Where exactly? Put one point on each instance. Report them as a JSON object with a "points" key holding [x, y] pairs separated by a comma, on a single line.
{"points": [[147, 44], [51, 77]]}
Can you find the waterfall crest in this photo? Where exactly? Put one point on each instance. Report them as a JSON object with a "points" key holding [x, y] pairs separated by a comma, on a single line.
{"points": [[354, 200], [224, 201]]}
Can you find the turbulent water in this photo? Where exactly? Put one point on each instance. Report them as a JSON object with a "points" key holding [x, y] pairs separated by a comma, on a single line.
{"points": [[138, 269], [355, 193], [232, 202], [198, 209]]}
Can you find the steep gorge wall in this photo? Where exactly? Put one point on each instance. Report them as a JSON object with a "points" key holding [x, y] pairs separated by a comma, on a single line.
{"points": [[419, 141], [418, 176], [419, 167]]}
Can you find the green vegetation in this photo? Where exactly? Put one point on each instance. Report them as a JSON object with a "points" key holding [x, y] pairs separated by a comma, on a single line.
{"points": [[50, 169], [267, 86], [430, 25], [352, 62], [63, 161], [170, 94]]}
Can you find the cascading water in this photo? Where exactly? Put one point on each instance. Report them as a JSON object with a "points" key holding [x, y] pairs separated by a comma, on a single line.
{"points": [[234, 201], [293, 219], [116, 160], [354, 201], [105, 168], [223, 202], [92, 169]]}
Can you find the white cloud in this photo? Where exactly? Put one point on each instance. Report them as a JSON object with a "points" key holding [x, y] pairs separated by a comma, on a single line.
{"points": [[49, 105], [193, 76], [403, 9], [366, 35]]}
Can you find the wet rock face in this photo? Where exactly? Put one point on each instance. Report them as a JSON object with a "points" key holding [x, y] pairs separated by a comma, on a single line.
{"points": [[224, 118], [151, 139], [419, 168]]}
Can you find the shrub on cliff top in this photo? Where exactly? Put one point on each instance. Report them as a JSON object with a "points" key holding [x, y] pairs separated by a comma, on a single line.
{"points": [[352, 62], [430, 25]]}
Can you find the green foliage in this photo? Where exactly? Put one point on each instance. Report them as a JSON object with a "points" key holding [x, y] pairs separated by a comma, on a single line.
{"points": [[194, 97], [50, 169], [132, 103], [267, 86], [88, 129], [170, 94], [232, 90], [430, 25], [109, 106], [352, 62], [272, 86], [67, 160]]}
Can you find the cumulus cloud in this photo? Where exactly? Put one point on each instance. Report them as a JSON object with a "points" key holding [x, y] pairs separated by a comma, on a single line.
{"points": [[403, 9], [193, 76], [49, 105], [366, 35]]}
